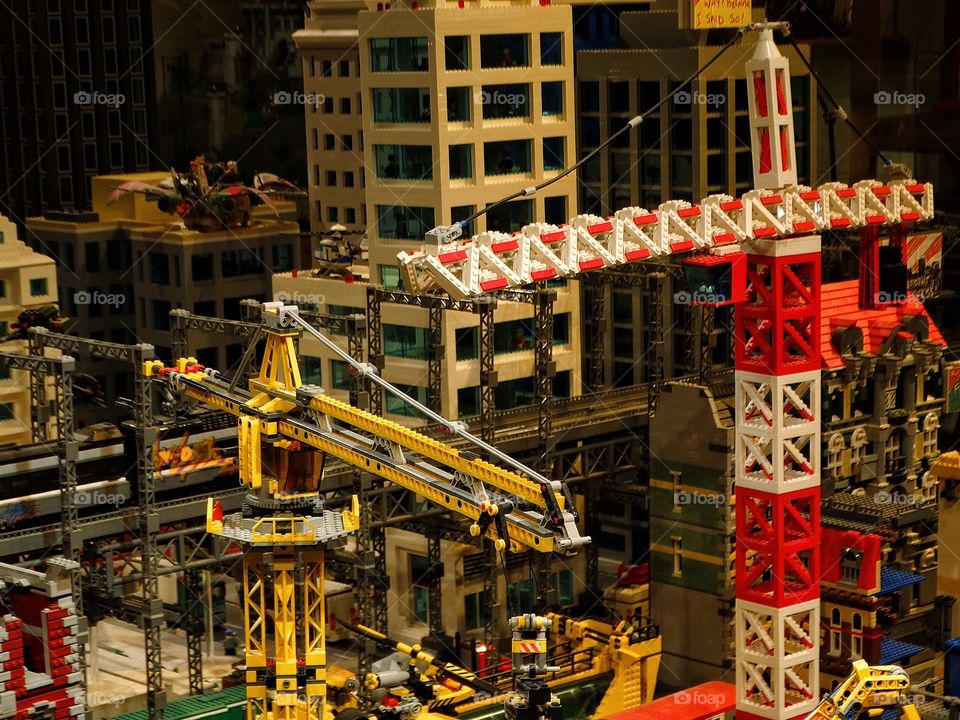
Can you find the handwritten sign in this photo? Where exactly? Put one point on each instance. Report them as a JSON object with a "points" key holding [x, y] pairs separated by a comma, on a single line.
{"points": [[709, 14]]}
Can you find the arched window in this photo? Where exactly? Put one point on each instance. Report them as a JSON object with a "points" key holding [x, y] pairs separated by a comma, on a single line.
{"points": [[858, 448], [931, 423], [835, 448], [856, 645]]}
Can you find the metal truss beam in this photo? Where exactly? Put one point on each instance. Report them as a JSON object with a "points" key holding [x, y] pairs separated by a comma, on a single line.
{"points": [[544, 371]]}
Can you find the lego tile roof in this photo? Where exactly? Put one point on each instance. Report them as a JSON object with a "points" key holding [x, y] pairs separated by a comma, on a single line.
{"points": [[839, 308], [892, 579], [894, 651]]}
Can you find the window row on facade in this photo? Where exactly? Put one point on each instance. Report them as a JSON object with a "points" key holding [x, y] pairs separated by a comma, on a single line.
{"points": [[498, 101], [500, 157], [411, 54]]}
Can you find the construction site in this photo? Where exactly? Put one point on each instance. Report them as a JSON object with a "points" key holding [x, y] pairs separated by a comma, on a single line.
{"points": [[489, 417]]}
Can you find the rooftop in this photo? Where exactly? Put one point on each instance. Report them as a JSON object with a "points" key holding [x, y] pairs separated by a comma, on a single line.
{"points": [[839, 303], [892, 579]]}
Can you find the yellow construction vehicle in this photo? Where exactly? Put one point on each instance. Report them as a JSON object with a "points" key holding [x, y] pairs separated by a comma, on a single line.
{"points": [[870, 690], [601, 669], [286, 429], [426, 688]]}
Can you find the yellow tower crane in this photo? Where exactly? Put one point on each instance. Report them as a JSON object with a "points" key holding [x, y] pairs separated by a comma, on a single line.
{"points": [[286, 429]]}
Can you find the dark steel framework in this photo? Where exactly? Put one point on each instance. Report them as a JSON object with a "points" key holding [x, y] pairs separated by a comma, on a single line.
{"points": [[150, 605]]}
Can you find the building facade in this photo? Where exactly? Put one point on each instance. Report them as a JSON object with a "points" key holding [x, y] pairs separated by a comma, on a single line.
{"points": [[78, 97], [27, 279], [123, 265], [329, 50], [692, 527], [456, 114], [696, 144]]}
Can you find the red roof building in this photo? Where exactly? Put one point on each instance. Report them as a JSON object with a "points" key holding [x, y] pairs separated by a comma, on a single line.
{"points": [[841, 317]]}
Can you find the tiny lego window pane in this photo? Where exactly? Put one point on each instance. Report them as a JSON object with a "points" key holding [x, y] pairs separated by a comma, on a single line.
{"points": [[459, 103], [511, 50], [551, 48], [457, 52]]}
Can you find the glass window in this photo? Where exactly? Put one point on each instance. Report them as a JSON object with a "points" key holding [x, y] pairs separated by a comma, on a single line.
{"points": [[468, 401], [161, 314], [91, 256], [590, 132], [458, 104], [504, 51], [555, 209], [467, 341], [551, 48], [118, 254], [505, 101], [552, 93], [398, 406], [513, 336], [420, 576], [401, 105], [234, 263], [554, 155], [401, 222], [457, 52], [511, 216], [340, 374], [405, 54], [390, 277], [562, 584], [202, 267], [476, 610], [459, 213], [6, 411], [207, 308], [405, 341], [561, 329], [282, 257], [461, 162], [520, 594], [159, 268], [38, 287], [505, 157], [342, 310], [404, 162], [310, 370], [590, 96]]}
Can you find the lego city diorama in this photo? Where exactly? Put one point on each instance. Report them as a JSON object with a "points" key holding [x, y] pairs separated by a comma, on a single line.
{"points": [[521, 359]]}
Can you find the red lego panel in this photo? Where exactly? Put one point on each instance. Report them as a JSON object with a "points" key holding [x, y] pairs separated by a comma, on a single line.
{"points": [[778, 546], [777, 325], [836, 542]]}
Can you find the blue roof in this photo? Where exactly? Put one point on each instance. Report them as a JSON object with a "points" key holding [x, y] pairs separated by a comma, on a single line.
{"points": [[891, 713], [893, 651], [892, 579]]}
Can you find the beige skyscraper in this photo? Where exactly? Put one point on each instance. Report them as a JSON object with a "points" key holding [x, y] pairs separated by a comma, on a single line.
{"points": [[462, 104], [27, 279]]}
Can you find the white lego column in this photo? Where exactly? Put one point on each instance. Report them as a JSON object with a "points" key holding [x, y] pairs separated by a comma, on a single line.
{"points": [[771, 116]]}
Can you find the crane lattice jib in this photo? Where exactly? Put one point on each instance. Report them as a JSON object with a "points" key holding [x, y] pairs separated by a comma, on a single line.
{"points": [[540, 252], [517, 510]]}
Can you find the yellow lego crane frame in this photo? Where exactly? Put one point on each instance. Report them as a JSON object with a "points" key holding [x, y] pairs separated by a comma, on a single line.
{"points": [[285, 432]]}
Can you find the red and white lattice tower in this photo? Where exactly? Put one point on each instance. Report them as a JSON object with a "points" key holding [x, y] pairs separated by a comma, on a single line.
{"points": [[777, 435]]}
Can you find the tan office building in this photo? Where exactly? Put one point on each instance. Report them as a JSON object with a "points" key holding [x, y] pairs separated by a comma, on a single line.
{"points": [[329, 50], [27, 279], [123, 266], [456, 114]]}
